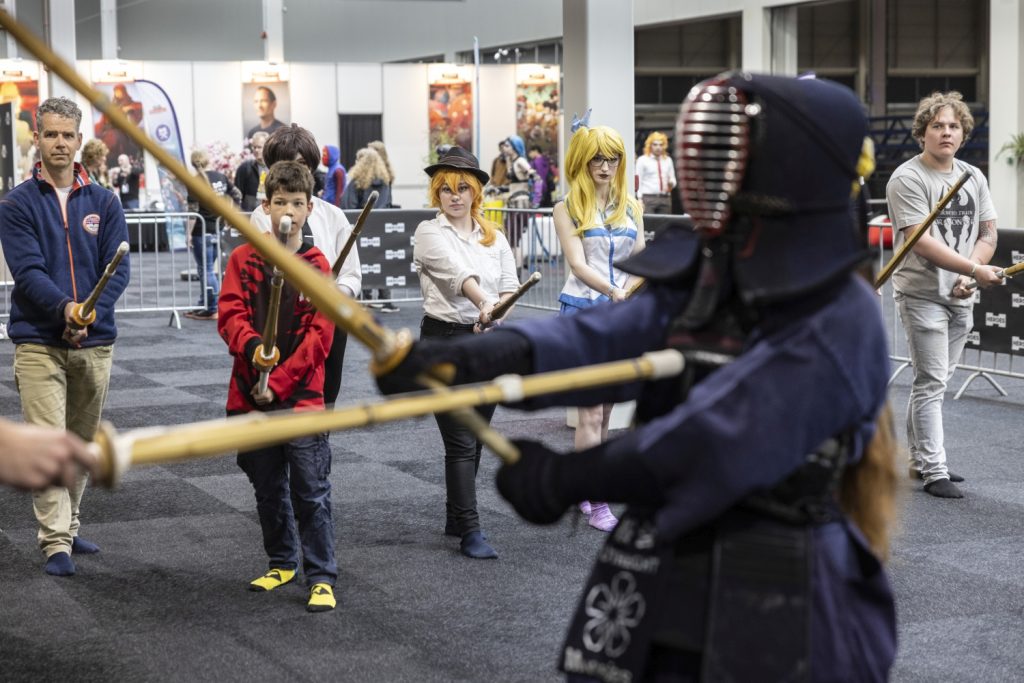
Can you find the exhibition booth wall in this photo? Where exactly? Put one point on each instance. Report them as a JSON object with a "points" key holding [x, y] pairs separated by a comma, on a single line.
{"points": [[210, 107]]}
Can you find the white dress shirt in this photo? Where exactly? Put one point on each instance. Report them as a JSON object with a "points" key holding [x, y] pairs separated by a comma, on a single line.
{"points": [[444, 260], [647, 170]]}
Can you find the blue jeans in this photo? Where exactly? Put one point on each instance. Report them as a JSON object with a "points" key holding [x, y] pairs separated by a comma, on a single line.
{"points": [[936, 335], [292, 485], [206, 262]]}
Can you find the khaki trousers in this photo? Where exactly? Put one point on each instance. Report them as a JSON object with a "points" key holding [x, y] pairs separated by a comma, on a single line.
{"points": [[63, 388]]}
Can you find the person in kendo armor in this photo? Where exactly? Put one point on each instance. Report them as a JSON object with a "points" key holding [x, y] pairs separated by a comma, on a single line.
{"points": [[760, 483]]}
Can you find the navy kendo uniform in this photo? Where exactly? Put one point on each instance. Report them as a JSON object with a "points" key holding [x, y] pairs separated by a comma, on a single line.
{"points": [[733, 560]]}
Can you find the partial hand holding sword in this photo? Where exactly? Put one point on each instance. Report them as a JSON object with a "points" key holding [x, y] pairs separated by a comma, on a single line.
{"points": [[502, 308], [84, 314], [1004, 273]]}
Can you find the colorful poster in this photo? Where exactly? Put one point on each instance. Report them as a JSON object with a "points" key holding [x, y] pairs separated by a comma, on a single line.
{"points": [[265, 107], [537, 116], [23, 97], [125, 96], [147, 105], [451, 114]]}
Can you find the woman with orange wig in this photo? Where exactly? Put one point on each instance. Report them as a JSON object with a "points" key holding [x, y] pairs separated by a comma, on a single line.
{"points": [[465, 267]]}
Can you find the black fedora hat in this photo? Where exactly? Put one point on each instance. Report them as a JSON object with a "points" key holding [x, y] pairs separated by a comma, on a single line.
{"points": [[458, 159]]}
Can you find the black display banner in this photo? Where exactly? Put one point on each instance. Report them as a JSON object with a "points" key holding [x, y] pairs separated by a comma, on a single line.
{"points": [[999, 311], [385, 246], [7, 149]]}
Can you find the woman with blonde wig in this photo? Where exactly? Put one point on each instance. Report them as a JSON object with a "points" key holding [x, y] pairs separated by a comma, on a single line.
{"points": [[599, 224], [465, 267]]}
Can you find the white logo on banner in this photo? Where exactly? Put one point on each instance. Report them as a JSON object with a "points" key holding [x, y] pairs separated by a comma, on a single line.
{"points": [[395, 281], [371, 268], [1017, 343], [974, 337], [1017, 300], [394, 227], [392, 254], [1016, 256], [995, 320], [976, 297], [369, 241]]}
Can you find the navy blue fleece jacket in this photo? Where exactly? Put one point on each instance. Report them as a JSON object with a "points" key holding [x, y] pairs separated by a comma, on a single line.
{"points": [[57, 257]]}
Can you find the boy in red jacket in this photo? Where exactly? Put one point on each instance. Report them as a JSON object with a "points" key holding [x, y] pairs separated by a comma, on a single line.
{"points": [[298, 470]]}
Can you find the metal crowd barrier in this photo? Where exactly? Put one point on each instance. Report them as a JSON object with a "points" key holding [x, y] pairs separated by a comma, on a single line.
{"points": [[164, 276]]}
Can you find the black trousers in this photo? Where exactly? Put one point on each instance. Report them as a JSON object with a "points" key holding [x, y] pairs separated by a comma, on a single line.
{"points": [[333, 364], [461, 447]]}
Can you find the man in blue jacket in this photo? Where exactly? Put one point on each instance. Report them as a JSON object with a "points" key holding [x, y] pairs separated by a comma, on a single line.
{"points": [[59, 231]]}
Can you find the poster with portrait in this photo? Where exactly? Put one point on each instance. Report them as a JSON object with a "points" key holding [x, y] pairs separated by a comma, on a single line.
{"points": [[451, 113], [23, 96], [537, 116], [266, 106], [126, 97]]}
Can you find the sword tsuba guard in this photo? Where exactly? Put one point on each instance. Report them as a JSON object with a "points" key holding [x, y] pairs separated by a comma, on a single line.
{"points": [[81, 321], [113, 454], [388, 357], [262, 362]]}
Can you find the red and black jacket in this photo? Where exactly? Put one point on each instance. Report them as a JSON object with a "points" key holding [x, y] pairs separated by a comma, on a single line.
{"points": [[303, 334]]}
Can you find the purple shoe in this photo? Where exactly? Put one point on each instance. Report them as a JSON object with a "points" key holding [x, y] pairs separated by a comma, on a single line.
{"points": [[585, 508], [601, 517]]}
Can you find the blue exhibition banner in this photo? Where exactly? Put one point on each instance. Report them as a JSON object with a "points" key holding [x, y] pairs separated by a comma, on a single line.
{"points": [[147, 104]]}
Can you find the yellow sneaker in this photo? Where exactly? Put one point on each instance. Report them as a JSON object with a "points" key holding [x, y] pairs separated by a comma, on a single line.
{"points": [[321, 598], [272, 579]]}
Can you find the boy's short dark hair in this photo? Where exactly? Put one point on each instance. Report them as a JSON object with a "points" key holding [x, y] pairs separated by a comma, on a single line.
{"points": [[288, 176], [288, 142]]}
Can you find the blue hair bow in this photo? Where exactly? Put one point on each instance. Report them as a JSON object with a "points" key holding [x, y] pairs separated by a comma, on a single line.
{"points": [[583, 121]]}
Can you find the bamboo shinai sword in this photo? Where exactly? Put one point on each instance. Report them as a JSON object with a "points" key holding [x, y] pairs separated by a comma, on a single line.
{"points": [[119, 451]]}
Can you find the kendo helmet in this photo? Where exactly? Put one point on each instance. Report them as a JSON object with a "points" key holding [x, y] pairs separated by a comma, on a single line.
{"points": [[770, 164]]}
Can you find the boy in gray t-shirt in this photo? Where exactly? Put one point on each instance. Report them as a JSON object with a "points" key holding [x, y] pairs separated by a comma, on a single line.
{"points": [[931, 284]]}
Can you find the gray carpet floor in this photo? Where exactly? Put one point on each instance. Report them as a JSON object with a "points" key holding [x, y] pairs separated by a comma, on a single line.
{"points": [[166, 598]]}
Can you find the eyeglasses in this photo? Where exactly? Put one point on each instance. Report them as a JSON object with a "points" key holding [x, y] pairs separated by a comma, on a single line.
{"points": [[599, 161]]}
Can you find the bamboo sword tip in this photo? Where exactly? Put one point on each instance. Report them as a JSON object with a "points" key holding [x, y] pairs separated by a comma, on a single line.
{"points": [[665, 363]]}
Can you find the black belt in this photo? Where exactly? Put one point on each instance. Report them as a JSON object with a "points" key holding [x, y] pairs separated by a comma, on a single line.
{"points": [[656, 194], [444, 326]]}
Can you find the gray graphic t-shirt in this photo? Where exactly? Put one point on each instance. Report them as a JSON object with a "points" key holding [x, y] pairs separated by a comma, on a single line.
{"points": [[912, 192]]}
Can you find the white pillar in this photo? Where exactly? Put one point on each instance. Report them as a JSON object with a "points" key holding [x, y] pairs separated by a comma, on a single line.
{"points": [[1006, 109], [10, 6], [597, 66], [60, 36], [783, 40], [273, 28], [108, 29], [756, 54]]}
